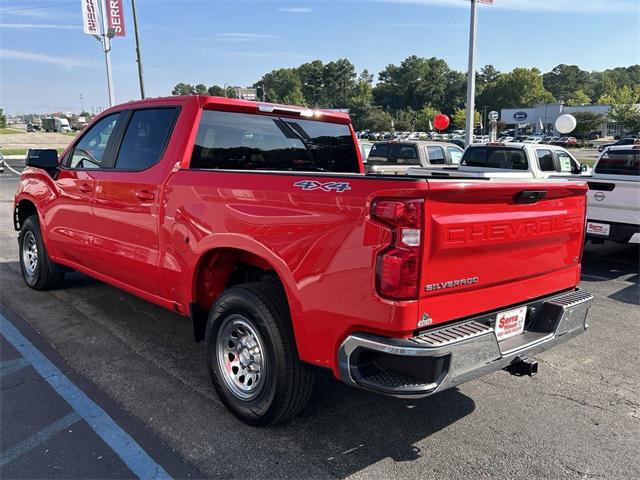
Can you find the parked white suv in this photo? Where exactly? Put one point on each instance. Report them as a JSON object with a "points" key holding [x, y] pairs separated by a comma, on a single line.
{"points": [[613, 211]]}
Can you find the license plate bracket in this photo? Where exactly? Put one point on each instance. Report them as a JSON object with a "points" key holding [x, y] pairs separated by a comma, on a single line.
{"points": [[510, 323]]}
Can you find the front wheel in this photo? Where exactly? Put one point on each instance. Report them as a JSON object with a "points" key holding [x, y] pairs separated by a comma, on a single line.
{"points": [[38, 271], [252, 357]]}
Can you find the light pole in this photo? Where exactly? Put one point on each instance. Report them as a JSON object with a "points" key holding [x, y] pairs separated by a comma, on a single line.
{"points": [[471, 76], [138, 56], [106, 34]]}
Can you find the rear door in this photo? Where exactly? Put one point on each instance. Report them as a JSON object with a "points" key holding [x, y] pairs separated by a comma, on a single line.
{"points": [[126, 206], [494, 243]]}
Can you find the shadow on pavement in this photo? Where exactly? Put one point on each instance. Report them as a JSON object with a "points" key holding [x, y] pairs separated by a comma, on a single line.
{"points": [[611, 261], [145, 358]]}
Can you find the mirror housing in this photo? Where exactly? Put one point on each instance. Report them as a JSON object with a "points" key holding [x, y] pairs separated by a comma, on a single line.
{"points": [[583, 167], [46, 159]]}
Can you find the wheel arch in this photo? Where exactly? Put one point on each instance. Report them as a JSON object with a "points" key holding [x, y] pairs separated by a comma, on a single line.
{"points": [[23, 209], [220, 267]]}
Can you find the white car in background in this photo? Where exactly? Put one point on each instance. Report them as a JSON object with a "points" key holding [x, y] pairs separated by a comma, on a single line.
{"points": [[613, 211]]}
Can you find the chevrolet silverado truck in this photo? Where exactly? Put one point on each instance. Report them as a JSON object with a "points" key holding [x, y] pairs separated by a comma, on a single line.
{"points": [[613, 211], [257, 221]]}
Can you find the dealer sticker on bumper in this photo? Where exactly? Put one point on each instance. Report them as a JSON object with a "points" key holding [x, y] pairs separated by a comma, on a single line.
{"points": [[598, 228], [510, 323]]}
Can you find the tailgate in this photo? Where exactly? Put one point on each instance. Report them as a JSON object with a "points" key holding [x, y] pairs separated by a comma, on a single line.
{"points": [[491, 244]]}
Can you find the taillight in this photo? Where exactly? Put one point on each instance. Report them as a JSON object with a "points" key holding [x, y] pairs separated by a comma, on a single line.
{"points": [[398, 266]]}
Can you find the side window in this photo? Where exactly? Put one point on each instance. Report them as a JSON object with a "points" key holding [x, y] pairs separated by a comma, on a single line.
{"points": [[565, 161], [89, 151], [456, 155], [436, 155], [242, 141], [545, 160], [145, 138]]}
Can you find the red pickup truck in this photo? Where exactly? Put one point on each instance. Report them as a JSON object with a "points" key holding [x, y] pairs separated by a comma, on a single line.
{"points": [[257, 221]]}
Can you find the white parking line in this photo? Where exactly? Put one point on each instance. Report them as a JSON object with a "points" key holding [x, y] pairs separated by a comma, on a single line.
{"points": [[125, 447]]}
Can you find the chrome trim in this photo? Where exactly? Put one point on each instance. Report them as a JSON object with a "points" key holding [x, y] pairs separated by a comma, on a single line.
{"points": [[472, 347]]}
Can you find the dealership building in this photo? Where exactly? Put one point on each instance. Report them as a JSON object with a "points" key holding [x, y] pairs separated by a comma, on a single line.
{"points": [[542, 117]]}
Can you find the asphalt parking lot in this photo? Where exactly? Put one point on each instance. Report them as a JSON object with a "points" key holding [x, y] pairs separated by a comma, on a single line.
{"points": [[578, 418]]}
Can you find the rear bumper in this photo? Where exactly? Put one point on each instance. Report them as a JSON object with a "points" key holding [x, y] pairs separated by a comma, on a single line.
{"points": [[445, 357]]}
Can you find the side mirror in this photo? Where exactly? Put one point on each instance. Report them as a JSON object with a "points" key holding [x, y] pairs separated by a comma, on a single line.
{"points": [[46, 159], [583, 167]]}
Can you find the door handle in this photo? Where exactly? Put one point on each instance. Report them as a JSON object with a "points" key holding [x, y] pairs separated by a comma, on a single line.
{"points": [[144, 195], [85, 188]]}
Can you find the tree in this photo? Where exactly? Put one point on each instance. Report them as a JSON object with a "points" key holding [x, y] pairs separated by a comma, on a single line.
{"points": [[424, 118], [200, 89], [312, 83], [564, 80], [215, 91], [282, 86], [417, 82], [339, 79], [3, 119], [404, 120], [587, 122], [377, 120], [579, 98], [521, 87], [624, 109], [459, 118], [183, 89]]}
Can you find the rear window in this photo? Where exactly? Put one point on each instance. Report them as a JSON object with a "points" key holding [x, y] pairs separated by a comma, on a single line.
{"points": [[393, 154], [495, 157], [619, 162], [242, 141]]}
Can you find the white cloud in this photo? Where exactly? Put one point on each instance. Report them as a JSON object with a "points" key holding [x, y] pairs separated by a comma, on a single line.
{"points": [[243, 37], [66, 62], [295, 9], [566, 6], [38, 26]]}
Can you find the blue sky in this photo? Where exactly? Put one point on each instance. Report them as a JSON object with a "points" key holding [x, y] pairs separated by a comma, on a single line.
{"points": [[46, 62]]}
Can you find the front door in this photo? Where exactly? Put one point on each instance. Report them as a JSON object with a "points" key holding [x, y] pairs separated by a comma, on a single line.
{"points": [[69, 216]]}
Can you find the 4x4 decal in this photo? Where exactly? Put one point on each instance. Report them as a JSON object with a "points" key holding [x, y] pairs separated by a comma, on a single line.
{"points": [[325, 187]]}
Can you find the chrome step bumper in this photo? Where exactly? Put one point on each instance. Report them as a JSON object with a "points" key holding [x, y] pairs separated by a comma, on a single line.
{"points": [[441, 358]]}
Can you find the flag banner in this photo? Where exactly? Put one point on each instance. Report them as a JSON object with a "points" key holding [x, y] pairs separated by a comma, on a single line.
{"points": [[115, 16], [90, 17]]}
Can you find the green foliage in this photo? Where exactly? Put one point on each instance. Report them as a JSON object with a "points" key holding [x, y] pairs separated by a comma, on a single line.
{"points": [[587, 122], [3, 119], [424, 118], [579, 98], [624, 109], [215, 91], [200, 89], [183, 89], [377, 120], [564, 80], [459, 118], [521, 87]]}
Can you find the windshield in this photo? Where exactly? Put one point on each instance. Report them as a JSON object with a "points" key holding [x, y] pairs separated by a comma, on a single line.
{"points": [[619, 162], [242, 141], [495, 157]]}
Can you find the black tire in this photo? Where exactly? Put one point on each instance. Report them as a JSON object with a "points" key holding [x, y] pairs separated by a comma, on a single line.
{"points": [[43, 274], [286, 383]]}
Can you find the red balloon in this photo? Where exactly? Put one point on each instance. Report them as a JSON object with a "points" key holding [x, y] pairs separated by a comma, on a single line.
{"points": [[441, 121]]}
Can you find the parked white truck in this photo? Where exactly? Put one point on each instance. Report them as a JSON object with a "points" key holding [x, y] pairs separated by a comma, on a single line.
{"points": [[613, 211]]}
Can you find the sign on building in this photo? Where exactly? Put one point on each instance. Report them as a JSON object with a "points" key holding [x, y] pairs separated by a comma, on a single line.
{"points": [[247, 93]]}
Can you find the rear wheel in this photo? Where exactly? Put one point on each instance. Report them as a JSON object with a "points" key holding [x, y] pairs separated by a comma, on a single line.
{"points": [[252, 358], [38, 271]]}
